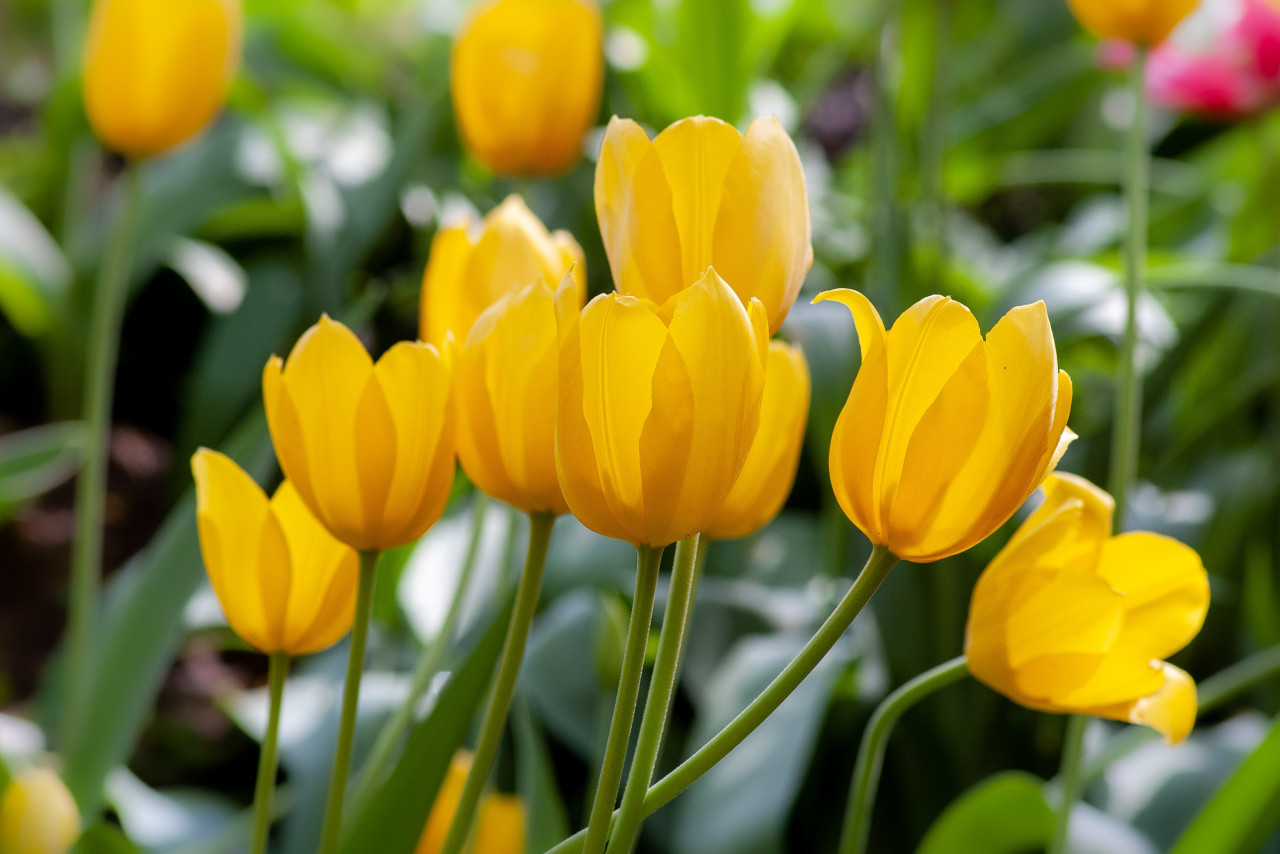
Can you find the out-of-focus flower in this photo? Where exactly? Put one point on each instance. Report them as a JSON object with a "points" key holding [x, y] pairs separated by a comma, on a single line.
{"points": [[658, 407], [702, 195], [1145, 22], [500, 820], [526, 82], [1068, 618], [38, 815], [285, 584], [770, 470], [370, 448], [944, 435], [473, 266], [157, 71]]}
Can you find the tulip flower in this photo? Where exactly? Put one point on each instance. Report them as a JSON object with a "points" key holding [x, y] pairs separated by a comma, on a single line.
{"points": [[285, 584], [658, 405], [368, 447], [38, 815], [1068, 618], [471, 267], [944, 435], [500, 824], [702, 195], [526, 83], [770, 469], [1144, 22], [156, 72]]}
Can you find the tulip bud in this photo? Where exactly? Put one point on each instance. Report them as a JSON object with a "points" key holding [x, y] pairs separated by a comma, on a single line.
{"points": [[500, 819], [1145, 22], [38, 815]]}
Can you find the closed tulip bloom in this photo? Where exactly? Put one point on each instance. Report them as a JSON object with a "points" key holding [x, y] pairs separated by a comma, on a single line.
{"points": [[770, 469], [500, 820], [157, 71], [38, 815], [658, 405], [944, 434], [285, 584], [1144, 22], [369, 447], [471, 267], [526, 82], [702, 195], [1068, 618]]}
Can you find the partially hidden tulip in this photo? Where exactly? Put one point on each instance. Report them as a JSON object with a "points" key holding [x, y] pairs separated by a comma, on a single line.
{"points": [[369, 447], [658, 406], [157, 71], [526, 80], [1068, 618], [944, 434], [703, 195], [472, 266], [770, 468], [500, 819], [285, 583], [38, 815], [1144, 22]]}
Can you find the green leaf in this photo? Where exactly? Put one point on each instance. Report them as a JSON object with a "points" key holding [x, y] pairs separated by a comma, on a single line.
{"points": [[34, 461], [104, 839], [34, 274], [536, 783], [1003, 814]]}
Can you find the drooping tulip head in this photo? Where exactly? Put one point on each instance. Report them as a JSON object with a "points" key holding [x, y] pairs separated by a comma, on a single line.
{"points": [[500, 819], [944, 434], [1068, 618], [703, 195], [37, 814], [369, 447], [658, 407], [1144, 22]]}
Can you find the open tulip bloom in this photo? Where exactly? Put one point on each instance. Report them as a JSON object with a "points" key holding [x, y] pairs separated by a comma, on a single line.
{"points": [[1144, 22]]}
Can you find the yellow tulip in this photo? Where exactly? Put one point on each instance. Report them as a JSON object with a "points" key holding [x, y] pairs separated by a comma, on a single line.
{"points": [[944, 435], [471, 268], [285, 584], [526, 82], [770, 469], [702, 195], [657, 409], [369, 447], [38, 815], [157, 71], [1144, 22], [500, 820], [1068, 618]]}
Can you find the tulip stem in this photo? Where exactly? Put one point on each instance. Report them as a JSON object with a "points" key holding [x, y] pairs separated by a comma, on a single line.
{"points": [[504, 683], [688, 772], [648, 559], [331, 834], [1072, 781], [278, 669], [875, 738], [662, 689], [101, 353]]}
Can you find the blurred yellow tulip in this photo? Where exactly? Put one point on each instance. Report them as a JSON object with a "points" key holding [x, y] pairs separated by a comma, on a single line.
{"points": [[770, 470], [1068, 618], [944, 435], [38, 815], [658, 406], [285, 584], [526, 82], [471, 267], [157, 71], [1144, 22], [370, 448], [703, 195], [500, 820]]}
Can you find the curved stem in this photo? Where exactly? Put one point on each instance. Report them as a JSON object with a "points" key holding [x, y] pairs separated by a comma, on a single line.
{"points": [[866, 770], [1072, 781], [504, 684], [101, 354], [278, 669], [662, 689], [624, 705], [332, 831]]}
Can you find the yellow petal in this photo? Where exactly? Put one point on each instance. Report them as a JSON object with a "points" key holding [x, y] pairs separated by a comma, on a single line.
{"points": [[1121, 678], [1146, 22], [1171, 711], [1165, 588], [446, 804], [444, 283], [666, 451], [651, 257], [1060, 612], [500, 826], [625, 144], [38, 814]]}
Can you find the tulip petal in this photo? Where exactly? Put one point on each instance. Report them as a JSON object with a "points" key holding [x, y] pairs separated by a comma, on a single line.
{"points": [[1121, 678], [1060, 612], [273, 580], [1165, 588], [1171, 711], [500, 826], [665, 450], [443, 283]]}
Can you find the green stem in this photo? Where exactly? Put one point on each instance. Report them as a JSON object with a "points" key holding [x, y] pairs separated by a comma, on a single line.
{"points": [[662, 689], [91, 485], [1072, 781], [665, 790], [933, 145], [866, 770], [504, 684], [332, 831], [648, 560], [278, 670]]}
